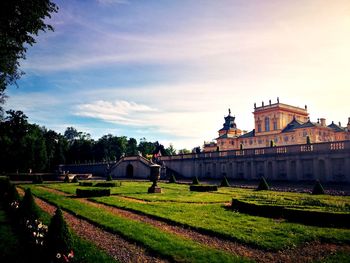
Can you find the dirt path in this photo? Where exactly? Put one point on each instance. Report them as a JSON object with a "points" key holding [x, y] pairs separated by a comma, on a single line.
{"points": [[306, 253], [112, 244]]}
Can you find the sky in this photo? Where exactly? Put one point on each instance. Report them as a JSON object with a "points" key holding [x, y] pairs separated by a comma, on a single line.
{"points": [[170, 70]]}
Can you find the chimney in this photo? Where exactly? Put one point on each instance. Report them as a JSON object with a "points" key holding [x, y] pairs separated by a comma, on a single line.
{"points": [[323, 122], [348, 124]]}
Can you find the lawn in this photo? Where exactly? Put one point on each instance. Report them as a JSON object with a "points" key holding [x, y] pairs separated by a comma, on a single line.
{"points": [[162, 243]]}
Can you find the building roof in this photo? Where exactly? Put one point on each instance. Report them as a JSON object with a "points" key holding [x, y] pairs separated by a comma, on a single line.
{"points": [[294, 124], [248, 134], [336, 127]]}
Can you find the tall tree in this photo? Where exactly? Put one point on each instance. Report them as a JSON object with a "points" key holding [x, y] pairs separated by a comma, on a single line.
{"points": [[20, 22]]}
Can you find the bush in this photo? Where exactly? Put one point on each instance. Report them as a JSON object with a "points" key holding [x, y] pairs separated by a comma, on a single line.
{"points": [[224, 182], [195, 180], [28, 209], [318, 189], [37, 179], [4, 185], [75, 179], [108, 184], [66, 179], [93, 192], [59, 237], [85, 183], [203, 188], [109, 178], [262, 184], [172, 179]]}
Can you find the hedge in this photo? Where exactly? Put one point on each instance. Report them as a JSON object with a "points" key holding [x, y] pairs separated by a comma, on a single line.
{"points": [[92, 192], [203, 188], [319, 218], [85, 183]]}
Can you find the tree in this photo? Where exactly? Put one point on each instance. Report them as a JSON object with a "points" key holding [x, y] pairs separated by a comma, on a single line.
{"points": [[170, 150], [184, 151], [131, 148], [146, 147], [20, 22]]}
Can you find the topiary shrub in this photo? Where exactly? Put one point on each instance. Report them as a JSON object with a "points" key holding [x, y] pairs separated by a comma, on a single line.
{"points": [[224, 182], [172, 179], [66, 179], [109, 178], [85, 183], [28, 209], [59, 238], [75, 179], [195, 180], [262, 184], [37, 179], [93, 192], [203, 188], [318, 189]]}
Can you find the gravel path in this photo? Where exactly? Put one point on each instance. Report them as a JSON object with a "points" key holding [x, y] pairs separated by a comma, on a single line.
{"points": [[112, 244], [308, 252]]}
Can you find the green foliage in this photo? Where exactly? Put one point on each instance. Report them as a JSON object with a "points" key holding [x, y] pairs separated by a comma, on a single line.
{"points": [[224, 182], [66, 179], [92, 192], [20, 21], [75, 179], [59, 237], [13, 194], [195, 180], [262, 184], [318, 189], [172, 179], [28, 209], [109, 178], [37, 179]]}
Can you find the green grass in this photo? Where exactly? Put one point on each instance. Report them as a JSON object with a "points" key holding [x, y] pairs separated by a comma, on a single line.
{"points": [[201, 211], [162, 243], [180, 193], [338, 257], [261, 232]]}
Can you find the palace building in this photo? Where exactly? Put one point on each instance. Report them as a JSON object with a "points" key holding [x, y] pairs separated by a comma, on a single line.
{"points": [[277, 124]]}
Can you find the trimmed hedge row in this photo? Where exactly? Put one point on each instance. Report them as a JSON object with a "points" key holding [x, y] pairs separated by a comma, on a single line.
{"points": [[85, 183], [319, 218], [92, 192], [203, 188]]}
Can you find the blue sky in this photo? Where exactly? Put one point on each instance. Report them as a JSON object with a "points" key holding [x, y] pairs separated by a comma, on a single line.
{"points": [[169, 70]]}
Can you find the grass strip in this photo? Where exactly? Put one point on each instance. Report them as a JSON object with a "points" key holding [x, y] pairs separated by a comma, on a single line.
{"points": [[158, 242], [260, 232]]}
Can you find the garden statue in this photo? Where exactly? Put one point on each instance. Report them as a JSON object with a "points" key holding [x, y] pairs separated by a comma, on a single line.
{"points": [[154, 177]]}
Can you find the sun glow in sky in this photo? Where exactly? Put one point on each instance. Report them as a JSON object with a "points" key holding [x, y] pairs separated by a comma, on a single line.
{"points": [[169, 70]]}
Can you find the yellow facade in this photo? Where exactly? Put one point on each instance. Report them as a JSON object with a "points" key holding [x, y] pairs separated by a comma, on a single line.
{"points": [[277, 124]]}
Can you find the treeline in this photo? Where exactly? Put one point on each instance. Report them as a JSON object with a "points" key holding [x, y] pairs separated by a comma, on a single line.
{"points": [[28, 147]]}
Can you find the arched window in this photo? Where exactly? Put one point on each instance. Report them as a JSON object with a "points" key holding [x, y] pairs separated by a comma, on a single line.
{"points": [[267, 124]]}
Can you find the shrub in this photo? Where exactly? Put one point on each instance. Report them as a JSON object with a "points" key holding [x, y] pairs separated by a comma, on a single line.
{"points": [[37, 179], [318, 189], [75, 179], [262, 184], [203, 188], [4, 185], [85, 183], [108, 184], [195, 180], [66, 179], [172, 179], [59, 237], [224, 182], [109, 178], [93, 192], [28, 209]]}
